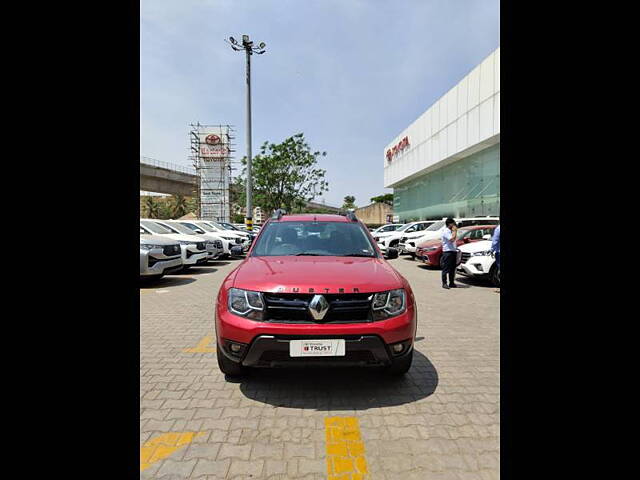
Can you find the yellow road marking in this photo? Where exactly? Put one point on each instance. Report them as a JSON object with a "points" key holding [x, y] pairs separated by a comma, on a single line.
{"points": [[161, 447], [202, 347], [345, 449]]}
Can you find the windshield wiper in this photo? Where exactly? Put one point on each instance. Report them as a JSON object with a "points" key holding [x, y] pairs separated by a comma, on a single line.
{"points": [[309, 254], [356, 255]]}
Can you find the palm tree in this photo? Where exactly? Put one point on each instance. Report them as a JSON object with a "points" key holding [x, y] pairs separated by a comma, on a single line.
{"points": [[152, 207], [179, 206]]}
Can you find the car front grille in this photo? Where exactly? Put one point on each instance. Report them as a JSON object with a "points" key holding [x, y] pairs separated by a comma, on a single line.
{"points": [[465, 256], [294, 308], [218, 243], [394, 243], [403, 239], [171, 250], [364, 356]]}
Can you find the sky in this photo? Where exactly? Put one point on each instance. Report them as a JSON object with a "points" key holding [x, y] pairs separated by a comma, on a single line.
{"points": [[349, 74]]}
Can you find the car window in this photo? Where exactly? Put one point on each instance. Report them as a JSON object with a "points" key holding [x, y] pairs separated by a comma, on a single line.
{"points": [[179, 228], [154, 227], [313, 238], [435, 226]]}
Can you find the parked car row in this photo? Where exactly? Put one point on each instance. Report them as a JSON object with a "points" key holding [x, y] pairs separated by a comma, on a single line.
{"points": [[421, 240], [168, 246]]}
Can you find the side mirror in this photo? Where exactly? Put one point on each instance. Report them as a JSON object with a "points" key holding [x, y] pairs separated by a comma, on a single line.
{"points": [[392, 253], [465, 240], [197, 230], [486, 237]]}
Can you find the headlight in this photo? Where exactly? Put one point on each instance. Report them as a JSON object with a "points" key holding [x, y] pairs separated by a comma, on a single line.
{"points": [[246, 303], [148, 246], [430, 249], [376, 238], [187, 242], [481, 254], [389, 304]]}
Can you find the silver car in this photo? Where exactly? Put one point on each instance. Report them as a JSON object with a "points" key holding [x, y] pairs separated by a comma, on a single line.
{"points": [[158, 256]]}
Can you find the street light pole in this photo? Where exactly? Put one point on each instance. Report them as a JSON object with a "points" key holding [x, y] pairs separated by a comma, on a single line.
{"points": [[249, 49]]}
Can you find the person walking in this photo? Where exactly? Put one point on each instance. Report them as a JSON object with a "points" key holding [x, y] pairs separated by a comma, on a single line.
{"points": [[495, 248], [449, 237]]}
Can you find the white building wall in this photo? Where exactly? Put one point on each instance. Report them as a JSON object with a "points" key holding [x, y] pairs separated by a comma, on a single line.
{"points": [[464, 120]]}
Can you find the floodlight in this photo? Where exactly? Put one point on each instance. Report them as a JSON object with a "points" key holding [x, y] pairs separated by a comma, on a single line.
{"points": [[262, 45], [245, 38]]}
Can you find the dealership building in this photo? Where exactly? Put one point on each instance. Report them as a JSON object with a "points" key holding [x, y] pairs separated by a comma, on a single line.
{"points": [[447, 162]]}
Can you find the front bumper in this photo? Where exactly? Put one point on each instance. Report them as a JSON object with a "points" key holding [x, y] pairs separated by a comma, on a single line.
{"points": [[479, 266], [273, 351], [159, 267]]}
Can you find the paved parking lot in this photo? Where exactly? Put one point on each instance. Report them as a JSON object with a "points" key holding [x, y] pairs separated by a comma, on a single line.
{"points": [[441, 421]]}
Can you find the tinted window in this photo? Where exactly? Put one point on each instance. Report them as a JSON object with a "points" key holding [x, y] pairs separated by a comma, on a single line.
{"points": [[313, 238], [178, 227], [154, 227]]}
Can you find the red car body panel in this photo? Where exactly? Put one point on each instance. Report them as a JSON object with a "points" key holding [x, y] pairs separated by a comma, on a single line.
{"points": [[433, 257], [319, 275]]}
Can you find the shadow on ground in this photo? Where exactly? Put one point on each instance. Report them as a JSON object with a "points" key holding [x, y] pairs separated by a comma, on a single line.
{"points": [[340, 388], [164, 282], [199, 270]]}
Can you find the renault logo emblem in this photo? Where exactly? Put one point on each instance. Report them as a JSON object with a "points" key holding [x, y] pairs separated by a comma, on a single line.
{"points": [[318, 306]]}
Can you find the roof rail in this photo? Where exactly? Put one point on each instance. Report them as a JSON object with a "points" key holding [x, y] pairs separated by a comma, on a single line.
{"points": [[350, 214], [278, 213]]}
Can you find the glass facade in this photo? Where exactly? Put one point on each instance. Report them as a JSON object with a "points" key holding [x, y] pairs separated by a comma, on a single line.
{"points": [[466, 188]]}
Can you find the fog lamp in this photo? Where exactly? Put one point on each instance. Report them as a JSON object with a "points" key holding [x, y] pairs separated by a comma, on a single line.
{"points": [[235, 348], [397, 348]]}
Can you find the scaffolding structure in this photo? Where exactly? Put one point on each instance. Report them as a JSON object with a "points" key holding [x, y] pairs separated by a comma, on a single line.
{"points": [[211, 152]]}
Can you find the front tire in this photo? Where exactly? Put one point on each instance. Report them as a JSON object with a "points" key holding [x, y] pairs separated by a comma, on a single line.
{"points": [[400, 366], [229, 367]]}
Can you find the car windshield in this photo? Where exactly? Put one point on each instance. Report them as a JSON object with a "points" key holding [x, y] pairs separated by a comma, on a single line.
{"points": [[204, 226], [404, 227], [322, 239], [181, 228], [435, 226], [228, 226], [154, 227]]}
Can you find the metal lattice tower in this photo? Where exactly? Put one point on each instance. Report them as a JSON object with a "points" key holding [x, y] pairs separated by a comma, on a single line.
{"points": [[213, 172]]}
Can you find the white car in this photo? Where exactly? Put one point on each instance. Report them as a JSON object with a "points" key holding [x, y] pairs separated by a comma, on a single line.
{"points": [[389, 227], [408, 244], [392, 239], [158, 256], [479, 262], [245, 237], [230, 241], [193, 247], [215, 247]]}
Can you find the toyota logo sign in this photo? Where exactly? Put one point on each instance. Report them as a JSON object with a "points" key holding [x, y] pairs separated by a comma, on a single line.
{"points": [[212, 139]]}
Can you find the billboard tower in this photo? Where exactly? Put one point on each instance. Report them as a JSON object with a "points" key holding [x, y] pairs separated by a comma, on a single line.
{"points": [[211, 153]]}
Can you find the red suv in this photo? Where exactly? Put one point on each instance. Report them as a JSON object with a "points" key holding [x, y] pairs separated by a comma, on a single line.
{"points": [[430, 252], [315, 290]]}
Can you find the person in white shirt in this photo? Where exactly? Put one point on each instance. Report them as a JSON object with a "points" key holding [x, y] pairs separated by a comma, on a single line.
{"points": [[449, 247]]}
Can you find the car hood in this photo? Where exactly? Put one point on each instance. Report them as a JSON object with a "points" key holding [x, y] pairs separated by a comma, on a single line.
{"points": [[322, 274], [156, 240], [383, 234], [184, 238], [479, 246], [430, 243]]}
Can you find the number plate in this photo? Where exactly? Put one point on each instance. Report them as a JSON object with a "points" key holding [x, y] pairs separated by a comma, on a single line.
{"points": [[317, 348]]}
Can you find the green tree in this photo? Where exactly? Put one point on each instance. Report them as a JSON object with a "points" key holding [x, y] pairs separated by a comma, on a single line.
{"points": [[178, 206], [349, 202], [151, 207], [285, 175], [386, 198]]}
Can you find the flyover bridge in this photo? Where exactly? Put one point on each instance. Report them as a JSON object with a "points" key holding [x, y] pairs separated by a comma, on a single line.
{"points": [[162, 177]]}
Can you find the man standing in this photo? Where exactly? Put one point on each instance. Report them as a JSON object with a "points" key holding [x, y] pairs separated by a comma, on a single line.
{"points": [[495, 248], [449, 237]]}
